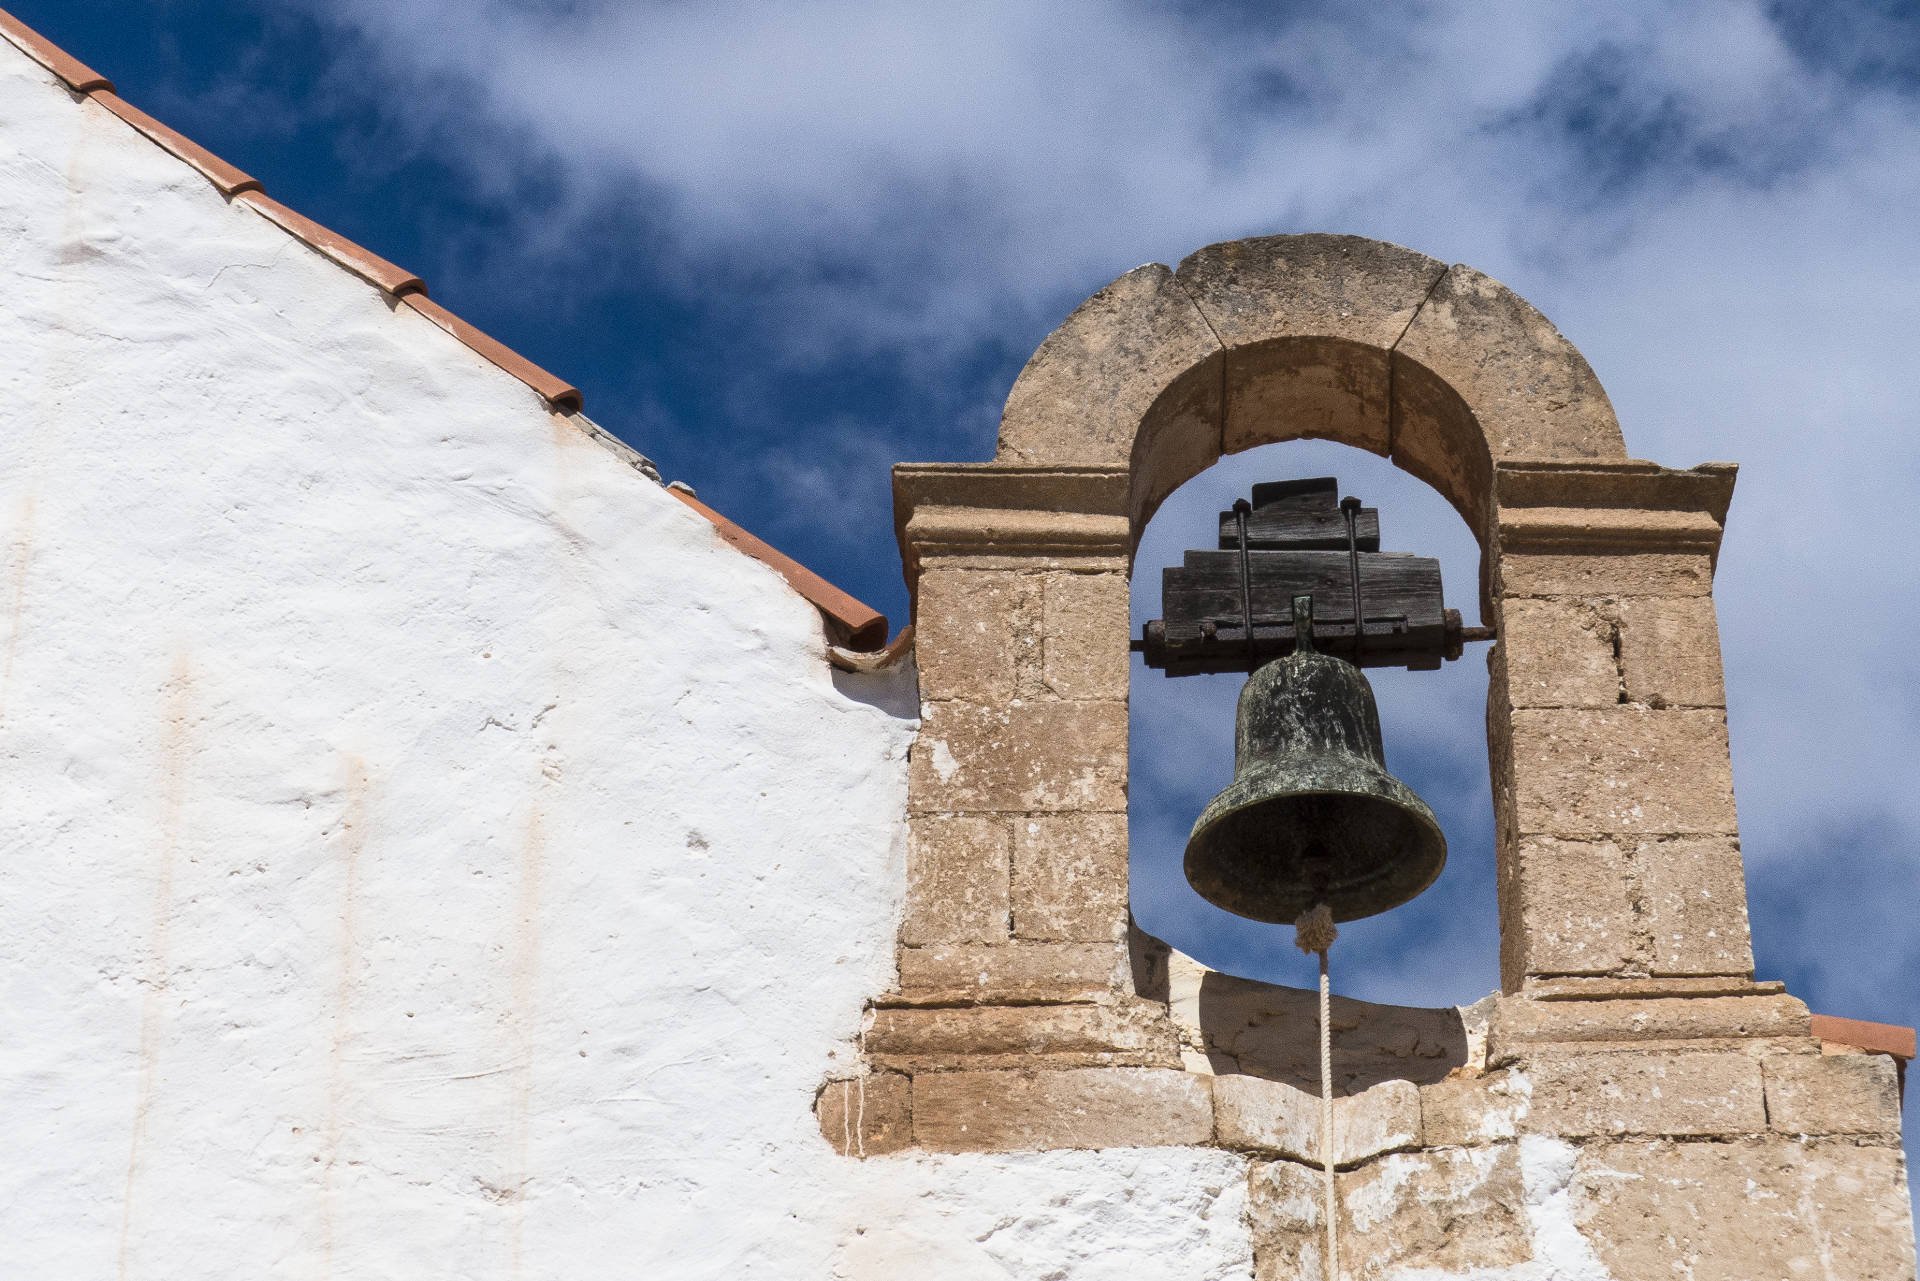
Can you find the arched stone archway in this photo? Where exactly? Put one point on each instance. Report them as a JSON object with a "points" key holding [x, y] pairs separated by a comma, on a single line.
{"points": [[1606, 723], [1442, 369]]}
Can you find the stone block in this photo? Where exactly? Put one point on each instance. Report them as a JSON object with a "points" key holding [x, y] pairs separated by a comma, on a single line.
{"points": [[1022, 757], [1070, 877], [1669, 574], [1455, 1212], [1083, 393], [1710, 1093], [1468, 1111], [1325, 286], [1833, 1094], [1385, 1118], [1558, 653], [868, 1115], [1075, 1108], [1567, 908], [1257, 1115], [1308, 322], [1532, 391], [1271, 1116], [1300, 387], [1084, 635], [1285, 1211], [1773, 1209], [1178, 439], [1437, 439], [1014, 972], [967, 641], [1670, 651], [957, 880], [1130, 1034], [1620, 770], [1693, 891], [1519, 1023]]}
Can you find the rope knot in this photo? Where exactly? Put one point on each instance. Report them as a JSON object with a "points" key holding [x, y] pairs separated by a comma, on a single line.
{"points": [[1315, 930]]}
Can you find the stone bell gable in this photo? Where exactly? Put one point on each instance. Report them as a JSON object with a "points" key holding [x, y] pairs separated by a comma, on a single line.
{"points": [[1632, 1104]]}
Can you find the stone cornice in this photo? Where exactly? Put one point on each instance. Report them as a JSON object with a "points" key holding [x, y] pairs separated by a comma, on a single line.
{"points": [[1596, 507], [975, 510]]}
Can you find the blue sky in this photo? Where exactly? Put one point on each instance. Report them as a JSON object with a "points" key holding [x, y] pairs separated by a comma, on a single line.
{"points": [[781, 246]]}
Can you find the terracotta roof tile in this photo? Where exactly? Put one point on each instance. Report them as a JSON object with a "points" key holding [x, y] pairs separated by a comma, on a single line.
{"points": [[79, 76], [361, 262], [851, 625], [1877, 1038], [230, 180], [563, 396]]}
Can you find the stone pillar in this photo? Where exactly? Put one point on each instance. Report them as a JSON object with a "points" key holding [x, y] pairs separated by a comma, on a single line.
{"points": [[1017, 791], [1619, 852], [1016, 1022]]}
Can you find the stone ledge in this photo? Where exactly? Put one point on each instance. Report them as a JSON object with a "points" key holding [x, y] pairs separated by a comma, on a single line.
{"points": [[1101, 491], [920, 1040], [1631, 483], [1604, 531], [1520, 1026], [1572, 987], [1075, 1108], [1012, 973]]}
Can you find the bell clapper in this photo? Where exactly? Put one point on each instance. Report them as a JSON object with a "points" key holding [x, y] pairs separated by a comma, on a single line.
{"points": [[1315, 932]]}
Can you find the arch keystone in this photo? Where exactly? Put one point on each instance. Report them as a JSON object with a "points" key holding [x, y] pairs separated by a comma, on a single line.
{"points": [[1308, 322]]}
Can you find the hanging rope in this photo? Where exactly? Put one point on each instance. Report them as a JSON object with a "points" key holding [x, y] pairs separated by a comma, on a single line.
{"points": [[1315, 932]]}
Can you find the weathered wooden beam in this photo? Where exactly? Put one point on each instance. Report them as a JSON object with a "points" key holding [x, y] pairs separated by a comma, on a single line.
{"points": [[1407, 622], [1301, 515]]}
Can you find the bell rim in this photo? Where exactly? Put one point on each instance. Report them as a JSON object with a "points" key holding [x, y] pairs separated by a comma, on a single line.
{"points": [[1243, 789]]}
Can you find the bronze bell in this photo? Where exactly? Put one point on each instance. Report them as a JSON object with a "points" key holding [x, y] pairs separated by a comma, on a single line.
{"points": [[1312, 816]]}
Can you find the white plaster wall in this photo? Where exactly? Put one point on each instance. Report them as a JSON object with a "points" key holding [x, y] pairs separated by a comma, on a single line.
{"points": [[425, 850]]}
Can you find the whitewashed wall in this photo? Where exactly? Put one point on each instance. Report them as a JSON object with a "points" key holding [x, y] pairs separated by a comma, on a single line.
{"points": [[425, 850]]}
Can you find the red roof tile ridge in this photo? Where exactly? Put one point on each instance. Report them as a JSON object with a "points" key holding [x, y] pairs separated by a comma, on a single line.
{"points": [[362, 262], [240, 186], [77, 75], [230, 179], [562, 395], [851, 624]]}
